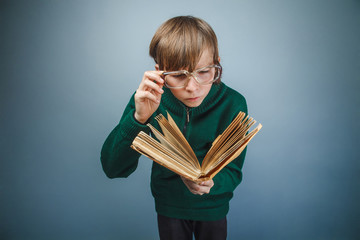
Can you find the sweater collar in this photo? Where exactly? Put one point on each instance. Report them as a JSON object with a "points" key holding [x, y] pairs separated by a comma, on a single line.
{"points": [[216, 92]]}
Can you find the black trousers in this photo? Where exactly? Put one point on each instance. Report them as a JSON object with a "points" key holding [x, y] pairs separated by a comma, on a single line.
{"points": [[179, 229]]}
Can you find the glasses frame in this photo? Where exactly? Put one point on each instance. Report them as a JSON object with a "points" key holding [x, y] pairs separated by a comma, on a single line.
{"points": [[193, 74]]}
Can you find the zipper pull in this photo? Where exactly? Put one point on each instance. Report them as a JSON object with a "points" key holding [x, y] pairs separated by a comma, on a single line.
{"points": [[187, 115], [187, 120]]}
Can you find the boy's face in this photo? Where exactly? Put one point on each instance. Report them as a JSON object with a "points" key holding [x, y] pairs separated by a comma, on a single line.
{"points": [[193, 94]]}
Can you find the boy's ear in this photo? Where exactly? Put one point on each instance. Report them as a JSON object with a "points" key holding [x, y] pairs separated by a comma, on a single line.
{"points": [[219, 59], [157, 67]]}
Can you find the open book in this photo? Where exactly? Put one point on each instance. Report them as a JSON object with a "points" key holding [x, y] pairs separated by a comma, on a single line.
{"points": [[175, 153]]}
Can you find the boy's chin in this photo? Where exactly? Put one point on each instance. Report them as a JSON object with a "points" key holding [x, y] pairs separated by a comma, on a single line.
{"points": [[192, 104]]}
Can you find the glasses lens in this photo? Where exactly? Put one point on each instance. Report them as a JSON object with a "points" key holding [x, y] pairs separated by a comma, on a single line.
{"points": [[203, 76], [175, 79]]}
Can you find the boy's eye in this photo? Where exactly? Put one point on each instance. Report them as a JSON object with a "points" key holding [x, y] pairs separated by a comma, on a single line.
{"points": [[204, 70], [180, 76]]}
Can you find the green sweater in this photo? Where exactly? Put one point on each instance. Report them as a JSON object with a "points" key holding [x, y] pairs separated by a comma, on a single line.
{"points": [[200, 125]]}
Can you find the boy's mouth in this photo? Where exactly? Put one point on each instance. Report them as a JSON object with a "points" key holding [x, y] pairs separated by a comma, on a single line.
{"points": [[193, 99]]}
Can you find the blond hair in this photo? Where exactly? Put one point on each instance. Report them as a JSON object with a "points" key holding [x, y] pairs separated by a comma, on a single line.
{"points": [[179, 42]]}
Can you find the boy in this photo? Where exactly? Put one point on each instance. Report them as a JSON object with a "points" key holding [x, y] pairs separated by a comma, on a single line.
{"points": [[186, 83]]}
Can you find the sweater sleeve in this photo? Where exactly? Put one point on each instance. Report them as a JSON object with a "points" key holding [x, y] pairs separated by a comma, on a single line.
{"points": [[230, 176], [118, 159]]}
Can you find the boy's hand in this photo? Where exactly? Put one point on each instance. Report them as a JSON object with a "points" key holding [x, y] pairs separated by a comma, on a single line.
{"points": [[198, 188], [148, 95]]}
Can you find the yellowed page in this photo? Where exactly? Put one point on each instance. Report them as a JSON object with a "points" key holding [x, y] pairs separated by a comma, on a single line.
{"points": [[149, 147], [171, 146], [229, 143], [176, 138], [173, 157], [233, 154], [221, 141]]}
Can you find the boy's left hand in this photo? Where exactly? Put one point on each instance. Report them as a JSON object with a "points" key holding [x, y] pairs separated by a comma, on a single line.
{"points": [[198, 188]]}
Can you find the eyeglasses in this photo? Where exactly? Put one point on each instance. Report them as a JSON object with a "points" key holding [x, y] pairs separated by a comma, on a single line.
{"points": [[203, 76]]}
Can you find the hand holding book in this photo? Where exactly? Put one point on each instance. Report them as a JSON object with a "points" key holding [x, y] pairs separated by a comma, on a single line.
{"points": [[198, 188]]}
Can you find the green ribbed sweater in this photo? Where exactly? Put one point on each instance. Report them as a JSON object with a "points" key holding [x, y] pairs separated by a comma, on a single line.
{"points": [[206, 122]]}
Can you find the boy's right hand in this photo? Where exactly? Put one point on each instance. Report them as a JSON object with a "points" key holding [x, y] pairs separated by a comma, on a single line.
{"points": [[198, 188], [148, 95]]}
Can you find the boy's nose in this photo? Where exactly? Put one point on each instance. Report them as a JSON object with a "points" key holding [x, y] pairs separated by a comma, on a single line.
{"points": [[192, 84]]}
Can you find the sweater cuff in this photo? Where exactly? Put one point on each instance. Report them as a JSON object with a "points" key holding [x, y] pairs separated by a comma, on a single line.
{"points": [[130, 127]]}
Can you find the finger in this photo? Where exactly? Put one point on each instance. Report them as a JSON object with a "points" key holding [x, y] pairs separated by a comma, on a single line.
{"points": [[196, 188], [198, 193], [146, 95], [149, 95], [195, 192], [208, 183], [154, 76], [149, 85], [191, 184], [203, 189]]}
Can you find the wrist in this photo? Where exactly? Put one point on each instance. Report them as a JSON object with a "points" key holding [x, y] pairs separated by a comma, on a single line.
{"points": [[139, 120]]}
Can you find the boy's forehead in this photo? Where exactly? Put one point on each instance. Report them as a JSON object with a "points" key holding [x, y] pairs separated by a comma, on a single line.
{"points": [[206, 59]]}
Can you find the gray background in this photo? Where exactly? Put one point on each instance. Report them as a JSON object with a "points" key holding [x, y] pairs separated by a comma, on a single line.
{"points": [[68, 69]]}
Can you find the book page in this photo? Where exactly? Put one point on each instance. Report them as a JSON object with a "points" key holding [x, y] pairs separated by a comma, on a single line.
{"points": [[231, 154], [173, 134], [221, 141], [149, 147], [234, 135], [172, 147]]}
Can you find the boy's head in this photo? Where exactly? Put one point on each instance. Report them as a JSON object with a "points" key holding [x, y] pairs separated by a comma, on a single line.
{"points": [[187, 43], [179, 42]]}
